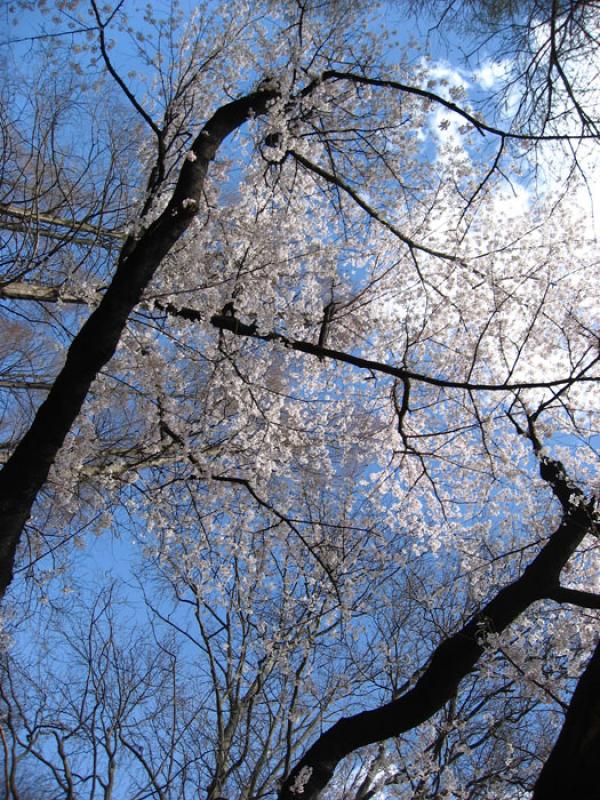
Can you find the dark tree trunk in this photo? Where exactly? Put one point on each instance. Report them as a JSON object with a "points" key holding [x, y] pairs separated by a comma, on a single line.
{"points": [[573, 766], [27, 469], [453, 659]]}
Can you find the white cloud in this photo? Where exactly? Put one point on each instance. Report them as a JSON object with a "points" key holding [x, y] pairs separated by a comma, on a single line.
{"points": [[445, 79], [491, 73]]}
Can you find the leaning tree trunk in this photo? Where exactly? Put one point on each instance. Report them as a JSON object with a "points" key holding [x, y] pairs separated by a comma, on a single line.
{"points": [[27, 469]]}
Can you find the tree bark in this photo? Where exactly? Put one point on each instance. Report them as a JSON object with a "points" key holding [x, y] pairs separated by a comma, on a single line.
{"points": [[453, 659], [572, 767], [27, 469]]}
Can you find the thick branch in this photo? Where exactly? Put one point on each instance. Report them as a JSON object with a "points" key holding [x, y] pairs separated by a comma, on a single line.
{"points": [[453, 659], [575, 597], [229, 323], [18, 290], [27, 469], [27, 215], [28, 290]]}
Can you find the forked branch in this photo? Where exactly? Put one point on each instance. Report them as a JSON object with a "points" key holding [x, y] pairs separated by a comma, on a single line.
{"points": [[455, 657]]}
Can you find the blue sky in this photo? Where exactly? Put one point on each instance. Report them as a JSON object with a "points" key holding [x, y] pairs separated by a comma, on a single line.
{"points": [[108, 557]]}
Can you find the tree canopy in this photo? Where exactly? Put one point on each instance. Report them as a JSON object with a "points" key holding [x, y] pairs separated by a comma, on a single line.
{"points": [[299, 365]]}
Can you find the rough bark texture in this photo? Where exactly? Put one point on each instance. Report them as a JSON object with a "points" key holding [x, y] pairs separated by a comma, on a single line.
{"points": [[572, 767], [27, 469]]}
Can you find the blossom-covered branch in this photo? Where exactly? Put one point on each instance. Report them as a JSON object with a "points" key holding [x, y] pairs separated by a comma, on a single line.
{"points": [[239, 328], [458, 654], [26, 470]]}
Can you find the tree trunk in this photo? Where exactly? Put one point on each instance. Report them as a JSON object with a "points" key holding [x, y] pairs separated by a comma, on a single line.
{"points": [[572, 769]]}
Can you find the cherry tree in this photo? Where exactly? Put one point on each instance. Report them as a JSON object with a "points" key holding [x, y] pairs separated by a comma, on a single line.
{"points": [[294, 313]]}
